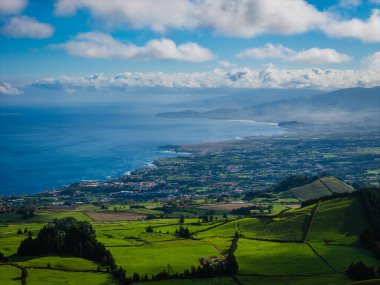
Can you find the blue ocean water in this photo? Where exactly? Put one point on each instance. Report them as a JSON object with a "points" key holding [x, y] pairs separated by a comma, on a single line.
{"points": [[43, 148]]}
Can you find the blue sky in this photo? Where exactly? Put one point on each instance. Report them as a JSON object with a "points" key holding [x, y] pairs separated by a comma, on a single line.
{"points": [[77, 38]]}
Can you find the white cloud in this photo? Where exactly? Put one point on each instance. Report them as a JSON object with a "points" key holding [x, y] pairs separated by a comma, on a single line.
{"points": [[267, 77], [366, 31], [372, 62], [26, 27], [240, 18], [268, 51], [12, 7], [8, 89], [318, 55], [100, 45], [312, 55]]}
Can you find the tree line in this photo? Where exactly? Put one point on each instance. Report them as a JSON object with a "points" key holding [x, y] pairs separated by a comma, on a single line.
{"points": [[370, 237]]}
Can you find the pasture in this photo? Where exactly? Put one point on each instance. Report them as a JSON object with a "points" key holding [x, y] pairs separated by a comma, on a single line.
{"points": [[270, 246], [273, 258]]}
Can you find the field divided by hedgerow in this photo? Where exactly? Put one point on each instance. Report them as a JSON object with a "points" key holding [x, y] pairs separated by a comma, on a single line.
{"points": [[273, 258], [338, 221], [340, 257], [10, 275]]}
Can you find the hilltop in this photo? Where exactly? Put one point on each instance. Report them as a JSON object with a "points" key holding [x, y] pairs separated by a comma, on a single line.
{"points": [[322, 187]]}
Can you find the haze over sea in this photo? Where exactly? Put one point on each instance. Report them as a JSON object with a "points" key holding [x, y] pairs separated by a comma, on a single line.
{"points": [[48, 147]]}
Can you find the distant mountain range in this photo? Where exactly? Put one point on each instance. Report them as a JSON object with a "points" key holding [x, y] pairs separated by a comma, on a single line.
{"points": [[235, 98], [345, 105]]}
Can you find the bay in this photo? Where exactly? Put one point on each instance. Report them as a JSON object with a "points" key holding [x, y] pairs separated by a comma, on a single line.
{"points": [[47, 147]]}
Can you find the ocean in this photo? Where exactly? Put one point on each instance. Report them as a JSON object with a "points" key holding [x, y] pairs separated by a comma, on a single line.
{"points": [[48, 147]]}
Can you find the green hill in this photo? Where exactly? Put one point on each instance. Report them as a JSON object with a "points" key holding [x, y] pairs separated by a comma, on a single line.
{"points": [[310, 245], [322, 187]]}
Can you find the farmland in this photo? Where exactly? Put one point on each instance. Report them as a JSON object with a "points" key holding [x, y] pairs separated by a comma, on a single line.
{"points": [[311, 245]]}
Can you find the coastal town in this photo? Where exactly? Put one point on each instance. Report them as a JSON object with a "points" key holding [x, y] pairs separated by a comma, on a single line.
{"points": [[228, 170]]}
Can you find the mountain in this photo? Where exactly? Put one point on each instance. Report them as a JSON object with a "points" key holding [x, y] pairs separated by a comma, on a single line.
{"points": [[249, 97], [345, 105]]}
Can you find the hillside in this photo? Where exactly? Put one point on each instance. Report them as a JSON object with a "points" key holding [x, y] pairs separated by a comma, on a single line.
{"points": [[325, 186], [345, 105]]}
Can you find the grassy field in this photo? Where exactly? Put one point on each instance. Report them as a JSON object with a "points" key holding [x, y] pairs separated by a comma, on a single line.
{"points": [[49, 276], [269, 246], [326, 279], [311, 191], [10, 275], [338, 221], [272, 258], [153, 258], [324, 186], [67, 263], [340, 257], [208, 281]]}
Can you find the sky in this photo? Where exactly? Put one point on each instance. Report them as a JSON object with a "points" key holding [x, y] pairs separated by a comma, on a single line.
{"points": [[73, 44]]}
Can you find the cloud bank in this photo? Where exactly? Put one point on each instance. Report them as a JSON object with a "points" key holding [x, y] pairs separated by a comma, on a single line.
{"points": [[240, 18], [100, 45], [312, 55], [268, 77]]}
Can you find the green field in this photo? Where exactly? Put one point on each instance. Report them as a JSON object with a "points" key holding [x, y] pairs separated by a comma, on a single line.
{"points": [[325, 279], [340, 257], [208, 281], [273, 258], [154, 258], [56, 262], [49, 276], [10, 275], [273, 247], [338, 221], [325, 186]]}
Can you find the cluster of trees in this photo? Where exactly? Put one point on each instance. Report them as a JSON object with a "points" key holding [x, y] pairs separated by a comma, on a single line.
{"points": [[246, 211], [183, 232], [26, 231], [360, 271], [370, 237], [207, 218], [67, 237], [149, 229], [25, 213]]}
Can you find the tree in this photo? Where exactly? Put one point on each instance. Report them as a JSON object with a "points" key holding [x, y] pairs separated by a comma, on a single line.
{"points": [[359, 271], [24, 275], [181, 219], [149, 229], [19, 231]]}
